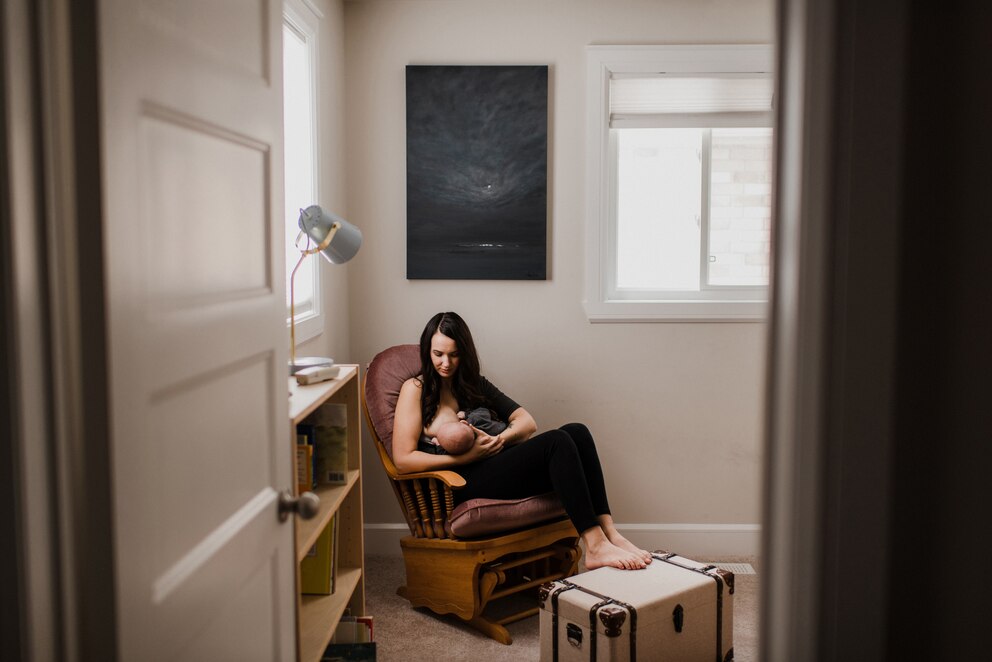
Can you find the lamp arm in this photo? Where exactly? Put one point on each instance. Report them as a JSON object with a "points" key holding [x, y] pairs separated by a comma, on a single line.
{"points": [[292, 307], [304, 252]]}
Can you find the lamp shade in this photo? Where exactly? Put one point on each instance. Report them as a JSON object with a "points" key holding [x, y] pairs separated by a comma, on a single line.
{"points": [[337, 245]]}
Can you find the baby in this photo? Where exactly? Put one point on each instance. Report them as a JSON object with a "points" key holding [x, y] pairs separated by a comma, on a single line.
{"points": [[455, 437]]}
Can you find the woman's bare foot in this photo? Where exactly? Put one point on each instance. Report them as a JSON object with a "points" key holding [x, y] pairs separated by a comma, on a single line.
{"points": [[605, 553], [623, 543]]}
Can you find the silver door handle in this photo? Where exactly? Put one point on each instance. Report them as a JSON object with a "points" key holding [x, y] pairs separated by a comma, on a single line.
{"points": [[306, 505]]}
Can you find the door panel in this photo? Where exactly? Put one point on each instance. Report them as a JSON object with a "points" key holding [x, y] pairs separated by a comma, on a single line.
{"points": [[225, 637], [191, 97], [225, 177], [239, 45], [220, 420]]}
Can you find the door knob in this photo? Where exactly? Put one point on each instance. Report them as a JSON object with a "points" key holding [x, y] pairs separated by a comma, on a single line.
{"points": [[306, 505]]}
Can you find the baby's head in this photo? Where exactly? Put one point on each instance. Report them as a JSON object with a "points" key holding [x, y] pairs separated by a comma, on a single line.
{"points": [[455, 437]]}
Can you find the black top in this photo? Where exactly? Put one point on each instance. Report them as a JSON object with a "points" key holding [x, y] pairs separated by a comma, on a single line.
{"points": [[496, 400]]}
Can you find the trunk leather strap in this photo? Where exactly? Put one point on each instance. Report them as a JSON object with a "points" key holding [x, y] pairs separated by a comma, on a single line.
{"points": [[608, 620], [717, 577]]}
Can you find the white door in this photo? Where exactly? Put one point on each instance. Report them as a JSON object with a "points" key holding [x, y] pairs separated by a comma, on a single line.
{"points": [[191, 104]]}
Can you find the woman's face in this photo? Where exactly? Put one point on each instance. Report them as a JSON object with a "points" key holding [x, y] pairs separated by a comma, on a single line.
{"points": [[444, 355]]}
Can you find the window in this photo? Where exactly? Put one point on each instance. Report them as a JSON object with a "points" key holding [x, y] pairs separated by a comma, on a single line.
{"points": [[301, 159], [680, 145]]}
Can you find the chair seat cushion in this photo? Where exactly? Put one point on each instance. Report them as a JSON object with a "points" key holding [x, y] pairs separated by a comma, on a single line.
{"points": [[481, 517]]}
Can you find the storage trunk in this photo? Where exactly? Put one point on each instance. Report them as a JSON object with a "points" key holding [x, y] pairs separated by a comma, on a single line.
{"points": [[675, 610]]}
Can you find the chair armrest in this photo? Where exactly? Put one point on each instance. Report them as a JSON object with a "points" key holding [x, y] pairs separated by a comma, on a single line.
{"points": [[449, 478], [428, 500]]}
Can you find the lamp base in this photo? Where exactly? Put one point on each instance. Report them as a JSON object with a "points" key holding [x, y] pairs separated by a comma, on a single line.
{"points": [[308, 362]]}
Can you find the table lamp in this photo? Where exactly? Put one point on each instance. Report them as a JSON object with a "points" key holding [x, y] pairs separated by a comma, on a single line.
{"points": [[338, 241]]}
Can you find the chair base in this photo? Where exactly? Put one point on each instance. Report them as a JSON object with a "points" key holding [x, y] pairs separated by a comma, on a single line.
{"points": [[478, 572]]}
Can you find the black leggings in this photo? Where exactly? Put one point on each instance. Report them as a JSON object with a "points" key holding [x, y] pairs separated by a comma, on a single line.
{"points": [[563, 461]]}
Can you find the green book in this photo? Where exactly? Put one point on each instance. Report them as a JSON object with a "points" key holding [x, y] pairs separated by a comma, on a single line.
{"points": [[331, 444]]}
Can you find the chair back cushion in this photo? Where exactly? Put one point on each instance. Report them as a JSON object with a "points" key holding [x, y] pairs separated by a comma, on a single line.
{"points": [[383, 380]]}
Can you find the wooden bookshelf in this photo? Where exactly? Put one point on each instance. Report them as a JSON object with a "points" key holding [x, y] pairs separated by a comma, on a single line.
{"points": [[318, 615]]}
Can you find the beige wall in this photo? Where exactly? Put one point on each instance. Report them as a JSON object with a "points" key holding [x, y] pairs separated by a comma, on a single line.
{"points": [[333, 342], [676, 408]]}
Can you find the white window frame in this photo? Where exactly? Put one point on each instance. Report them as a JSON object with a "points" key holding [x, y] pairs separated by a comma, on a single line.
{"points": [[303, 17], [603, 302]]}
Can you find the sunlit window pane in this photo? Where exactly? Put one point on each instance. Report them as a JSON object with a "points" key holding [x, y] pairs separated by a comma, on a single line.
{"points": [[740, 207], [658, 208], [299, 161]]}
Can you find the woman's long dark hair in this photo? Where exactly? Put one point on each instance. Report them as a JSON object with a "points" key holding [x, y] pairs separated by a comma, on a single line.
{"points": [[466, 382]]}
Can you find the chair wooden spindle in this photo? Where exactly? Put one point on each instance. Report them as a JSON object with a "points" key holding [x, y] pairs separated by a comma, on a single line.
{"points": [[436, 506], [411, 511], [425, 516], [449, 501]]}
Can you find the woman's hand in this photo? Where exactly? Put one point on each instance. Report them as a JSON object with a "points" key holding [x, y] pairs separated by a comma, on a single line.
{"points": [[484, 446]]}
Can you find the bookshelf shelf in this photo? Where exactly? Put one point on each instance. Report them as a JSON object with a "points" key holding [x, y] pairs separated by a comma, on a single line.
{"points": [[304, 400], [318, 615], [316, 611], [331, 498]]}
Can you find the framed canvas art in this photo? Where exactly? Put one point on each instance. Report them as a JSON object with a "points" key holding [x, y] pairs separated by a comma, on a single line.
{"points": [[477, 172]]}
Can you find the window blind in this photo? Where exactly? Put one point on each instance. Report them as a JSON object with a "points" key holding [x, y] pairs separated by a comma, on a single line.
{"points": [[664, 100]]}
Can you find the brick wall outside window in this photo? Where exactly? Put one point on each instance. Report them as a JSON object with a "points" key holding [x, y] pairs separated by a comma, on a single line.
{"points": [[740, 208]]}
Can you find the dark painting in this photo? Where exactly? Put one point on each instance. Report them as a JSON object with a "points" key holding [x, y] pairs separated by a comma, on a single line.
{"points": [[477, 172]]}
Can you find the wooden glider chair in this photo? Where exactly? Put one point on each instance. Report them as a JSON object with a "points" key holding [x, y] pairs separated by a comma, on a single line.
{"points": [[461, 559]]}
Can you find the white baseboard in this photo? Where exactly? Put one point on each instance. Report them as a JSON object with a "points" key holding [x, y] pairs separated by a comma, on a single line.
{"points": [[712, 540], [384, 539], [683, 539]]}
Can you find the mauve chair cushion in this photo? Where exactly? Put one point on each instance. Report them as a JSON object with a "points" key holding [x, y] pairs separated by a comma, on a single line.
{"points": [[482, 517], [475, 517], [383, 380]]}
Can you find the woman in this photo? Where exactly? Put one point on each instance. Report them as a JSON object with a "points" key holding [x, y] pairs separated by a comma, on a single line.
{"points": [[513, 463]]}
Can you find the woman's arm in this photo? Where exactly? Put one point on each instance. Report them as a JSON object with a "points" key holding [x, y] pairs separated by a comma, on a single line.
{"points": [[520, 424], [408, 426], [520, 427]]}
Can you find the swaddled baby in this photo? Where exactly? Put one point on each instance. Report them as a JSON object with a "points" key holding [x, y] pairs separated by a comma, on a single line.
{"points": [[456, 437]]}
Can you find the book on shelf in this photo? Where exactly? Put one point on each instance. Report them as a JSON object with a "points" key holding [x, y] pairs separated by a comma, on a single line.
{"points": [[317, 567], [304, 468], [331, 444], [354, 652], [353, 641], [353, 630], [368, 621], [306, 435], [335, 556]]}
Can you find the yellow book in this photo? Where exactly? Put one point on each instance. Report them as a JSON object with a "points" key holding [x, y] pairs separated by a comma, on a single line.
{"points": [[316, 576], [304, 468]]}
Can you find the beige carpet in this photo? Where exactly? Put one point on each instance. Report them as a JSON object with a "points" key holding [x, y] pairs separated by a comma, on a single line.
{"points": [[405, 634]]}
